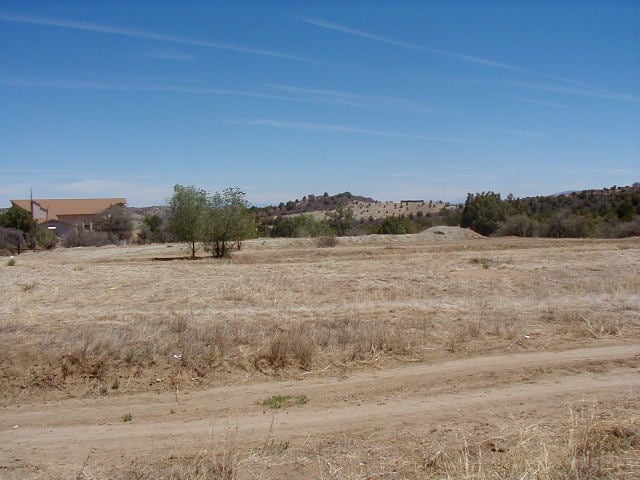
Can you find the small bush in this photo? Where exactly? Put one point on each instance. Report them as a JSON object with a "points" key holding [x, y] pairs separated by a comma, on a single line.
{"points": [[327, 241], [127, 417], [485, 262], [11, 240], [518, 226], [45, 238], [395, 226], [285, 401], [11, 262], [628, 229]]}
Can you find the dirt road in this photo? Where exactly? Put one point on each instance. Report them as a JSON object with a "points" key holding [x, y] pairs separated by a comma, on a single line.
{"points": [[57, 439]]}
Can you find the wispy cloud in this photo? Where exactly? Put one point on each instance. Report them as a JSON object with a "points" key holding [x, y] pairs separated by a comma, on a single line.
{"points": [[163, 54], [14, 191], [613, 171], [289, 93], [323, 127], [398, 174], [411, 46], [533, 101], [137, 193], [128, 32], [577, 87], [521, 133], [335, 97], [137, 87], [91, 185]]}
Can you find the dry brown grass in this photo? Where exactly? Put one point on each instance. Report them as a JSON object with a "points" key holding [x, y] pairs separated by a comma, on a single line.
{"points": [[100, 320], [582, 443]]}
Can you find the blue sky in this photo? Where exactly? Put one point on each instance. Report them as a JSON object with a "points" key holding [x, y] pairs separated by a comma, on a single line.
{"points": [[394, 100]]}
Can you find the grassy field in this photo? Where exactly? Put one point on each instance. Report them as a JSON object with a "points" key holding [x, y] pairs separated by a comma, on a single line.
{"points": [[112, 324]]}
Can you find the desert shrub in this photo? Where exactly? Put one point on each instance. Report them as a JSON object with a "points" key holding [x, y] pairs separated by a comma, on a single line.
{"points": [[327, 241], [86, 238], [519, 225], [45, 238], [116, 222], [285, 401], [286, 349], [275, 355], [11, 241], [300, 226], [153, 230], [395, 225], [566, 225], [628, 229]]}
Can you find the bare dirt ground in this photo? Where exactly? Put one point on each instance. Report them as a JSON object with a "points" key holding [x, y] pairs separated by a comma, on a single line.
{"points": [[441, 355]]}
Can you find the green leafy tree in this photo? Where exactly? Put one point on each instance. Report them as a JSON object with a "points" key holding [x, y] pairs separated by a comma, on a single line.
{"points": [[188, 215], [228, 221], [625, 211], [483, 212], [341, 219]]}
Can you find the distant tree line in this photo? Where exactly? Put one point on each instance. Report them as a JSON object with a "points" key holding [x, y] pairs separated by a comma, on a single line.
{"points": [[607, 213], [218, 222], [338, 222], [341, 221]]}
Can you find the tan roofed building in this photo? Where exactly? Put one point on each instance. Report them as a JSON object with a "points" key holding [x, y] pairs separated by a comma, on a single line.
{"points": [[68, 214]]}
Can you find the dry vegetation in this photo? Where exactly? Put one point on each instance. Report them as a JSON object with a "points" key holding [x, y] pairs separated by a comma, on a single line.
{"points": [[588, 446], [112, 321]]}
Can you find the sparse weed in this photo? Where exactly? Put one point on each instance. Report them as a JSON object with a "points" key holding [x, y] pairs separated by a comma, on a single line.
{"points": [[27, 287], [285, 401], [603, 327], [485, 262], [127, 417], [327, 241], [273, 448]]}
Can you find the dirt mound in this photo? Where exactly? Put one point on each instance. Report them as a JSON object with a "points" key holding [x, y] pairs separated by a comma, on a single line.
{"points": [[451, 233]]}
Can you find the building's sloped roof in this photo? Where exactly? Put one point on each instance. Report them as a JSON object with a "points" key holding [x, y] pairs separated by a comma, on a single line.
{"points": [[57, 207]]}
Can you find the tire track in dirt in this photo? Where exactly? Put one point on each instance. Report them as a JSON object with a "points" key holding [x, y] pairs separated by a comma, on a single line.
{"points": [[406, 399]]}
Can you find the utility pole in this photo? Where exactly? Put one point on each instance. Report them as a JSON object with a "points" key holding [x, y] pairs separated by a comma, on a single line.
{"points": [[33, 235]]}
